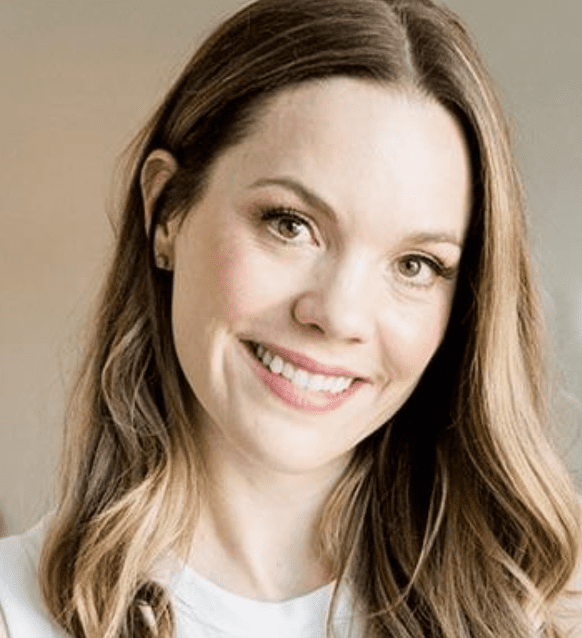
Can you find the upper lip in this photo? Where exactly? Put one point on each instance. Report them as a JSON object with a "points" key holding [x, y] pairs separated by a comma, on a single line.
{"points": [[307, 363]]}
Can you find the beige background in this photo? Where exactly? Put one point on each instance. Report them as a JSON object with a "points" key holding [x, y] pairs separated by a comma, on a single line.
{"points": [[79, 78]]}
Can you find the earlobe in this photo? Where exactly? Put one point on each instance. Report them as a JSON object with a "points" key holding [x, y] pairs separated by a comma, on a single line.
{"points": [[158, 168], [164, 238]]}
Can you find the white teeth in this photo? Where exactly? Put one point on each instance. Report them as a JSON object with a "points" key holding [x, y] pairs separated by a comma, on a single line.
{"points": [[336, 385], [276, 365], [340, 385], [288, 371], [328, 384], [301, 378], [316, 383]]}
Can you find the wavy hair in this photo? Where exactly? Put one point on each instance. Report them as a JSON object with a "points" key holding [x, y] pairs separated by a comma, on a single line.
{"points": [[453, 522]]}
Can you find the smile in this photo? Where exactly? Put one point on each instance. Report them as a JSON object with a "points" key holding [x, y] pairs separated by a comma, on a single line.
{"points": [[302, 383], [299, 377]]}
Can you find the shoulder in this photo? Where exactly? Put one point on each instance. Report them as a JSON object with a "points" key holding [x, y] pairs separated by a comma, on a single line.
{"points": [[21, 605]]}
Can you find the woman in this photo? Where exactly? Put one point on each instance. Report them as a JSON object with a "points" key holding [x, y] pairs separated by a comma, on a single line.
{"points": [[315, 393]]}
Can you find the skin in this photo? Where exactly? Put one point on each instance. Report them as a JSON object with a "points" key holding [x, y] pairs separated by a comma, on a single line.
{"points": [[380, 180]]}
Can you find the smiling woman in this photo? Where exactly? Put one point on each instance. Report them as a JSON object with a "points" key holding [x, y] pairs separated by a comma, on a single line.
{"points": [[323, 239], [314, 398]]}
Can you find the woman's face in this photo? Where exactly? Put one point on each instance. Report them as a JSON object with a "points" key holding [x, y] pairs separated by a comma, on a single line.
{"points": [[313, 281]]}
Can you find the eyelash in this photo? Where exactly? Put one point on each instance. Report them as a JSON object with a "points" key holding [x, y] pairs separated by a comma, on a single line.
{"points": [[279, 214], [438, 268], [436, 265]]}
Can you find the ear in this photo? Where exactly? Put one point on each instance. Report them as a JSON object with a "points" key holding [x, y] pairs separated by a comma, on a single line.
{"points": [[157, 170], [155, 173]]}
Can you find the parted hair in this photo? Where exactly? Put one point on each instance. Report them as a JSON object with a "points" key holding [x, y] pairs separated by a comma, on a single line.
{"points": [[455, 519]]}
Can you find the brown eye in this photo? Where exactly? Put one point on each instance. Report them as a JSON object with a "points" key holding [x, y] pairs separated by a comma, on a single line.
{"points": [[410, 266], [420, 271], [288, 227]]}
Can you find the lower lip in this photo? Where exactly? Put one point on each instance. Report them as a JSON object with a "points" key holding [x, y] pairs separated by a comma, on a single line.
{"points": [[298, 398]]}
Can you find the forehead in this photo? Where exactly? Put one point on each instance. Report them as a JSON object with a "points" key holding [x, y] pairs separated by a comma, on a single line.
{"points": [[359, 144]]}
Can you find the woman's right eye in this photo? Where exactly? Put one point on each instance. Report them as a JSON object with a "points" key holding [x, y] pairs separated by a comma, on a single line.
{"points": [[288, 226]]}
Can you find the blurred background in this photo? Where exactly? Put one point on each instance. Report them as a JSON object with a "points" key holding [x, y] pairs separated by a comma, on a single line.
{"points": [[78, 81]]}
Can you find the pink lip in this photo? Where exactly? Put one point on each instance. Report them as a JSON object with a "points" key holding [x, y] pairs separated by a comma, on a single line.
{"points": [[303, 399], [301, 361]]}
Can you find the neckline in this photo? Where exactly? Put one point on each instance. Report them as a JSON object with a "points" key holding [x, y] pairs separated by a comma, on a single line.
{"points": [[192, 576], [204, 602]]}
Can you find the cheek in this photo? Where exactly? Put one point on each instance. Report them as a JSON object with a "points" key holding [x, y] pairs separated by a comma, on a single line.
{"points": [[242, 280], [411, 336], [241, 283]]}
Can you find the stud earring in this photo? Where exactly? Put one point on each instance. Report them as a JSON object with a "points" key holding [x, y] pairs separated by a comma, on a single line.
{"points": [[162, 262]]}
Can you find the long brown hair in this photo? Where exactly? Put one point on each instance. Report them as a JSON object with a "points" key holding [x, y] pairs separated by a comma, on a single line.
{"points": [[456, 521]]}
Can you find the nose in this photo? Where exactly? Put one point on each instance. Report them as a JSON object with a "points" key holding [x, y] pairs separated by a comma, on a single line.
{"points": [[338, 302]]}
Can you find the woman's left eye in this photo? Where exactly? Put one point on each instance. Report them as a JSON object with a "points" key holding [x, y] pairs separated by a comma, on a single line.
{"points": [[288, 225], [422, 271]]}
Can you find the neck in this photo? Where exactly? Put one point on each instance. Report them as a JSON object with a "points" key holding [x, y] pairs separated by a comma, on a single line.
{"points": [[258, 531]]}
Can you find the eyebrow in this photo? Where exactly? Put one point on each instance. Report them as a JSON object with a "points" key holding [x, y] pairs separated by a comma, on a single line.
{"points": [[316, 201], [308, 196], [435, 238]]}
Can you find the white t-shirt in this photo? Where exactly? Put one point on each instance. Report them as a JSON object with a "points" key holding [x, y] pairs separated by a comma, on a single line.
{"points": [[202, 609]]}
